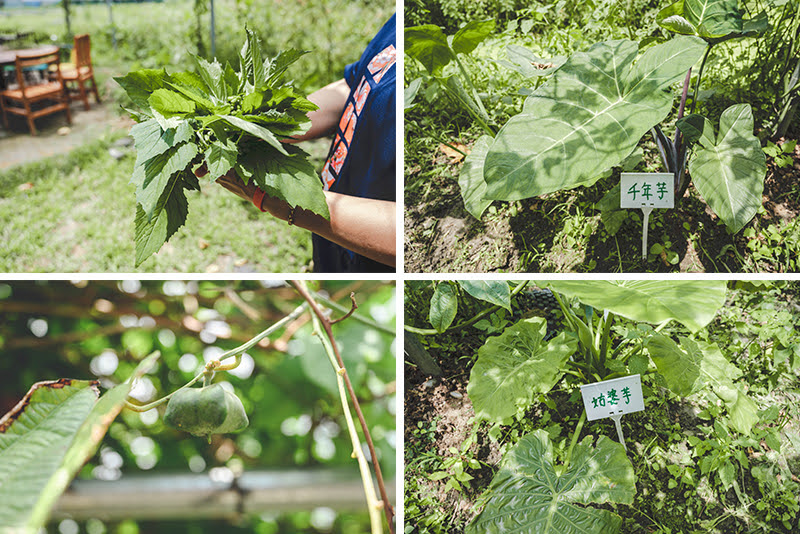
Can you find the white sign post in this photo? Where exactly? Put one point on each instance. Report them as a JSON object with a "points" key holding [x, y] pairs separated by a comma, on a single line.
{"points": [[613, 398], [645, 191]]}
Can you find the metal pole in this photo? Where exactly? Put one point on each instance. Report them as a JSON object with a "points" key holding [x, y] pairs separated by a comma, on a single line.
{"points": [[111, 23], [213, 32]]}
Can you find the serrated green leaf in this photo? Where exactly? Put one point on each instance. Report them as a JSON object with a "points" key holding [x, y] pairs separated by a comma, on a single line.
{"points": [[470, 179], [220, 158], [444, 306], [151, 140], [730, 172], [256, 131], [292, 179], [492, 291], [170, 103], [588, 117], [140, 84], [195, 94], [152, 178], [252, 102], [169, 215], [281, 62], [34, 438], [530, 494], [514, 367], [211, 74]]}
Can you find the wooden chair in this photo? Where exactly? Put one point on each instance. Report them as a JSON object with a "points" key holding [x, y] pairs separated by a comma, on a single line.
{"points": [[21, 100], [81, 71]]}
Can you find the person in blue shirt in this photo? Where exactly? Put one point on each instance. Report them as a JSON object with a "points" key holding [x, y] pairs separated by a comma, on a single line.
{"points": [[359, 174]]}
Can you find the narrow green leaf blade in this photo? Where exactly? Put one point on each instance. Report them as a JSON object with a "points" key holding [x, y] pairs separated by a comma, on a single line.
{"points": [[444, 306], [256, 131]]}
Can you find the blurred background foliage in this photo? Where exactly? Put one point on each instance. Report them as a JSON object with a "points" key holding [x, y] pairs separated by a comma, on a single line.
{"points": [[101, 329]]}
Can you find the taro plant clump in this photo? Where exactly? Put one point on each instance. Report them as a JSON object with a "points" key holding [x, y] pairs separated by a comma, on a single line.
{"points": [[594, 110], [224, 119], [610, 329]]}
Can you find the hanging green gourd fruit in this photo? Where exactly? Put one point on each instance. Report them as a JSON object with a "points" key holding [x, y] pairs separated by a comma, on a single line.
{"points": [[208, 410]]}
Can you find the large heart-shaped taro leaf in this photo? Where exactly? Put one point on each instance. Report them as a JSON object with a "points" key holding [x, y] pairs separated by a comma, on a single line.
{"points": [[470, 179], [693, 303], [693, 365], [587, 118], [730, 171], [514, 367], [493, 291], [528, 496]]}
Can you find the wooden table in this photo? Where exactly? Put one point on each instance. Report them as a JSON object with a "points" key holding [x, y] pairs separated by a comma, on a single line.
{"points": [[7, 57]]}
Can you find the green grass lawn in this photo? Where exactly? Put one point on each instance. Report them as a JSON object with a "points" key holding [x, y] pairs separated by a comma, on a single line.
{"points": [[78, 217]]}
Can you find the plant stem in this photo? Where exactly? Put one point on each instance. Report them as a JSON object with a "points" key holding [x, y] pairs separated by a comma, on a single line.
{"points": [[357, 317], [478, 317], [301, 288], [699, 77], [373, 506], [575, 436], [216, 365]]}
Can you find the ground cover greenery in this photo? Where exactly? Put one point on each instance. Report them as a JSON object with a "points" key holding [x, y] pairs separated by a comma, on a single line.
{"points": [[104, 330], [80, 217], [467, 82], [497, 439]]}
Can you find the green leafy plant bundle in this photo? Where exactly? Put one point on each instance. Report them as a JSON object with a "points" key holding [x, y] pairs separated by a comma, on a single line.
{"points": [[224, 119]]}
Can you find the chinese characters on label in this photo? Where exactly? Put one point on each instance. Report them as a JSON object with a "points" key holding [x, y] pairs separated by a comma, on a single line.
{"points": [[639, 190], [613, 397]]}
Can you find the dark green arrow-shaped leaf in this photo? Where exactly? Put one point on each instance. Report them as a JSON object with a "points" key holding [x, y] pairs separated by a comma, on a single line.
{"points": [[529, 496]]}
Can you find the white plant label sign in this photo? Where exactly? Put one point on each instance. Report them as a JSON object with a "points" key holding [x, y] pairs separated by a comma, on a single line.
{"points": [[614, 397], [645, 191]]}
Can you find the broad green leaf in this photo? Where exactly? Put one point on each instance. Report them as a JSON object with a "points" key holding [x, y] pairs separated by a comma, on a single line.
{"points": [[140, 84], [587, 117], [195, 94], [220, 158], [256, 73], [709, 19], [151, 140], [492, 291], [255, 130], [695, 127], [693, 365], [529, 493], [410, 93], [291, 178], [470, 179], [252, 101], [444, 305], [170, 103], [514, 367], [471, 35], [428, 45], [86, 441], [525, 62], [152, 178], [34, 437], [169, 215], [730, 172], [693, 303]]}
